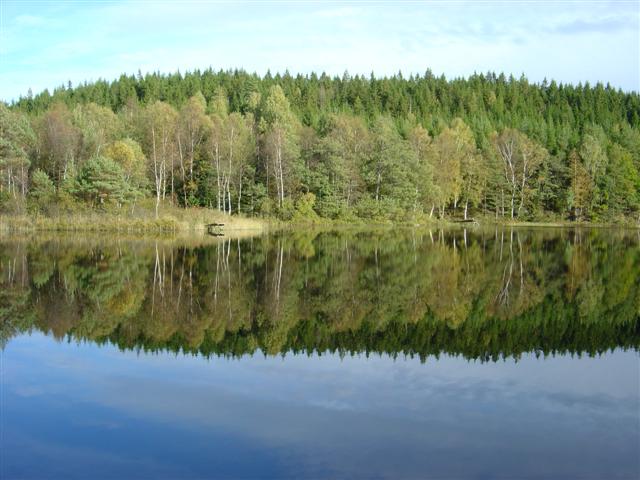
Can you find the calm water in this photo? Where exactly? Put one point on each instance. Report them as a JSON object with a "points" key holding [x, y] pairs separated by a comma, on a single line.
{"points": [[388, 354]]}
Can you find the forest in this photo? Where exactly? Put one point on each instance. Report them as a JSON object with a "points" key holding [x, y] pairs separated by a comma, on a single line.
{"points": [[484, 295], [310, 147]]}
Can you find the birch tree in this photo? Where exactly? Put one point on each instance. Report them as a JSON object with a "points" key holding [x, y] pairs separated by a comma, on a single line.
{"points": [[59, 143], [231, 146], [98, 126], [16, 142], [446, 166], [241, 149], [425, 189], [159, 139], [282, 151], [520, 158], [193, 126]]}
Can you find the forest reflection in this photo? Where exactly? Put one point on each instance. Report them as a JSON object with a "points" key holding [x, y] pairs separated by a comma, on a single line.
{"points": [[482, 294]]}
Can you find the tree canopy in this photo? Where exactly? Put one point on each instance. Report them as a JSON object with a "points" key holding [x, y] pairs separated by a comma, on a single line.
{"points": [[378, 148]]}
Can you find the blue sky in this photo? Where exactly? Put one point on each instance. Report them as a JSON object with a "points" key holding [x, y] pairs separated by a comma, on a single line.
{"points": [[45, 44]]}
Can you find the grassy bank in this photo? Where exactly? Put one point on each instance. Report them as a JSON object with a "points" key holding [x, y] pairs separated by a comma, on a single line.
{"points": [[170, 219], [175, 220], [557, 222]]}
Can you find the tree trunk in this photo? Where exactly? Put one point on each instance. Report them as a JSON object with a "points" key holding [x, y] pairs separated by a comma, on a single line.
{"points": [[513, 199], [184, 180], [23, 180], [157, 171], [281, 182], [172, 183], [239, 194]]}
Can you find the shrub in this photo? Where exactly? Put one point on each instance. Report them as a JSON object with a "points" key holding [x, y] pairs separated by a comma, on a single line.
{"points": [[42, 192], [4, 200], [287, 210], [304, 207], [102, 181]]}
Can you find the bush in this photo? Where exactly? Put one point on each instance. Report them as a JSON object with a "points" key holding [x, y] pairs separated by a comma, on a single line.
{"points": [[4, 200], [367, 208], [383, 210], [335, 209], [42, 192], [265, 206], [12, 205], [287, 210], [304, 207], [102, 181]]}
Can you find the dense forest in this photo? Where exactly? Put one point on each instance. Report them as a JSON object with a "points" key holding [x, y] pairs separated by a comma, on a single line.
{"points": [[484, 295], [307, 147]]}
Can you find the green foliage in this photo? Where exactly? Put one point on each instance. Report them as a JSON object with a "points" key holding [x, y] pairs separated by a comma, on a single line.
{"points": [[17, 142], [102, 181], [390, 170], [286, 211], [416, 146], [98, 126], [623, 181], [128, 154], [581, 187], [41, 192], [305, 208], [5, 198]]}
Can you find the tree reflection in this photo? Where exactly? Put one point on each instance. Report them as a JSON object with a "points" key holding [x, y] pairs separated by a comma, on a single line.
{"points": [[482, 294]]}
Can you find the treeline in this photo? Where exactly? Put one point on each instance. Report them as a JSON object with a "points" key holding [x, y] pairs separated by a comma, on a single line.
{"points": [[486, 296], [334, 147]]}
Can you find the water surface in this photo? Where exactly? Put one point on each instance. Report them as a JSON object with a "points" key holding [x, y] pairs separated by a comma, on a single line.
{"points": [[384, 354]]}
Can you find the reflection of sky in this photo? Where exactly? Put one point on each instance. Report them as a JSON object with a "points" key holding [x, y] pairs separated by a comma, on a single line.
{"points": [[69, 409]]}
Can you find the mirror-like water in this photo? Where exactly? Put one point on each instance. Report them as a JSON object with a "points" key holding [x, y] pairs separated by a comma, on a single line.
{"points": [[405, 353]]}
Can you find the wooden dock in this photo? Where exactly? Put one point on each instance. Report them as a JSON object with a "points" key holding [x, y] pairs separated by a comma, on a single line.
{"points": [[465, 220], [215, 229]]}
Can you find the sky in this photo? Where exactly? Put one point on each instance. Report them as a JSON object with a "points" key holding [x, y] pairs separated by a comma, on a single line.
{"points": [[46, 44]]}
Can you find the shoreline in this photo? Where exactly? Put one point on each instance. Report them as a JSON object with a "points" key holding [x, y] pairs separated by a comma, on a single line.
{"points": [[190, 222], [239, 226]]}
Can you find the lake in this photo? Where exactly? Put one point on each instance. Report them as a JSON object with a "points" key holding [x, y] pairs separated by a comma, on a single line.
{"points": [[391, 353]]}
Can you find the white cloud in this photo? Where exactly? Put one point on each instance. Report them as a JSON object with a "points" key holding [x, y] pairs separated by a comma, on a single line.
{"points": [[83, 41]]}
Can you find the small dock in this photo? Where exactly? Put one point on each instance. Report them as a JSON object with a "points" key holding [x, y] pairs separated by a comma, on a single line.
{"points": [[215, 229], [466, 220]]}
